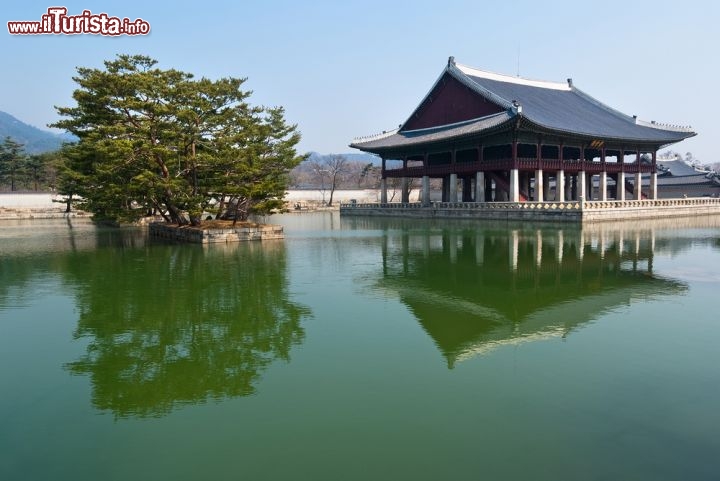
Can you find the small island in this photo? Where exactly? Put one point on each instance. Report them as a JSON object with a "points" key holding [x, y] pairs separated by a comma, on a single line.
{"points": [[216, 231], [191, 153]]}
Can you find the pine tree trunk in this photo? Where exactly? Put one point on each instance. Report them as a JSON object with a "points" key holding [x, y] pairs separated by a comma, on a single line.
{"points": [[175, 215], [221, 207]]}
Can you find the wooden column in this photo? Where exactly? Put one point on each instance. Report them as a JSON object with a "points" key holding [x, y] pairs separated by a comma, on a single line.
{"points": [[425, 190], [560, 186], [404, 183], [582, 188], [467, 189], [480, 187], [560, 178], [539, 191], [539, 194], [653, 177], [514, 185], [453, 197], [620, 184]]}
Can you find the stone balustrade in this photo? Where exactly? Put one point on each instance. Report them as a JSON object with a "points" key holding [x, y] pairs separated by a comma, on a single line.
{"points": [[571, 210]]}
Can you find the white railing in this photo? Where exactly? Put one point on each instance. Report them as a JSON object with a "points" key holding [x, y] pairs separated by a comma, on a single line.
{"points": [[543, 206], [624, 204], [546, 206]]}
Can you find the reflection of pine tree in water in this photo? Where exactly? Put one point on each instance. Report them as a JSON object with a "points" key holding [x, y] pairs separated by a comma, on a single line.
{"points": [[181, 324]]}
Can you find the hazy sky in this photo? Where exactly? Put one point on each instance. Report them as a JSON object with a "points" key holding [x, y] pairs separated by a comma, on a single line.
{"points": [[346, 69]]}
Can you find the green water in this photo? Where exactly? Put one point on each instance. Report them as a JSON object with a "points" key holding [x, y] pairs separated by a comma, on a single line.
{"points": [[362, 349]]}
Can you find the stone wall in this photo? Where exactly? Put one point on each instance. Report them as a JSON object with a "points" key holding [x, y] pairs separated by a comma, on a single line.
{"points": [[591, 211], [14, 206], [565, 211], [198, 235]]}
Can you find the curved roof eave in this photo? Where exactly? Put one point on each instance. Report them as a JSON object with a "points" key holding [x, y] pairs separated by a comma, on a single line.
{"points": [[660, 142], [444, 134]]}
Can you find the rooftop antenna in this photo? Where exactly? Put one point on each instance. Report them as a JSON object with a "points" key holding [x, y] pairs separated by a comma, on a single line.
{"points": [[518, 62]]}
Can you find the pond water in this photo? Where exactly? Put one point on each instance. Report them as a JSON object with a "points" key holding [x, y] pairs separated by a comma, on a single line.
{"points": [[362, 349]]}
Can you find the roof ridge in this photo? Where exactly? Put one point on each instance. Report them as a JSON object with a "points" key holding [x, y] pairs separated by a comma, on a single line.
{"points": [[462, 77], [476, 72]]}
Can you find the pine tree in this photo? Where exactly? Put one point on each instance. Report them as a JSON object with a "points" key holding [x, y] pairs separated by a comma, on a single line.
{"points": [[12, 162], [153, 139]]}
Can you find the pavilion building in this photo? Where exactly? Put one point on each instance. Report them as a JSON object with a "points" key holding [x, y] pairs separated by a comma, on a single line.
{"points": [[493, 137]]}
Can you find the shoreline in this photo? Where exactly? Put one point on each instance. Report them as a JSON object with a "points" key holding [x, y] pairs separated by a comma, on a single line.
{"points": [[28, 214]]}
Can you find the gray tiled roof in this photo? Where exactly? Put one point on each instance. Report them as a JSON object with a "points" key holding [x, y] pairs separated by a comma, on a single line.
{"points": [[684, 179], [678, 167], [576, 112], [556, 107], [436, 134]]}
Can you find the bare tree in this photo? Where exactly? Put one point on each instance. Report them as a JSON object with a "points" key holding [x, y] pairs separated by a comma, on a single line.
{"points": [[395, 186], [369, 175], [329, 171], [320, 175], [337, 167]]}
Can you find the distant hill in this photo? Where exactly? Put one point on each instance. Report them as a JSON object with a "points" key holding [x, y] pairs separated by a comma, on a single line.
{"points": [[34, 140], [352, 156]]}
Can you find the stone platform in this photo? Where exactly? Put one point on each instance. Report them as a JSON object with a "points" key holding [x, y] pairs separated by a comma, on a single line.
{"points": [[574, 211], [212, 235]]}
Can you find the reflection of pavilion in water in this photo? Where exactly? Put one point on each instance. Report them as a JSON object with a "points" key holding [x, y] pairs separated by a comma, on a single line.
{"points": [[475, 290]]}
